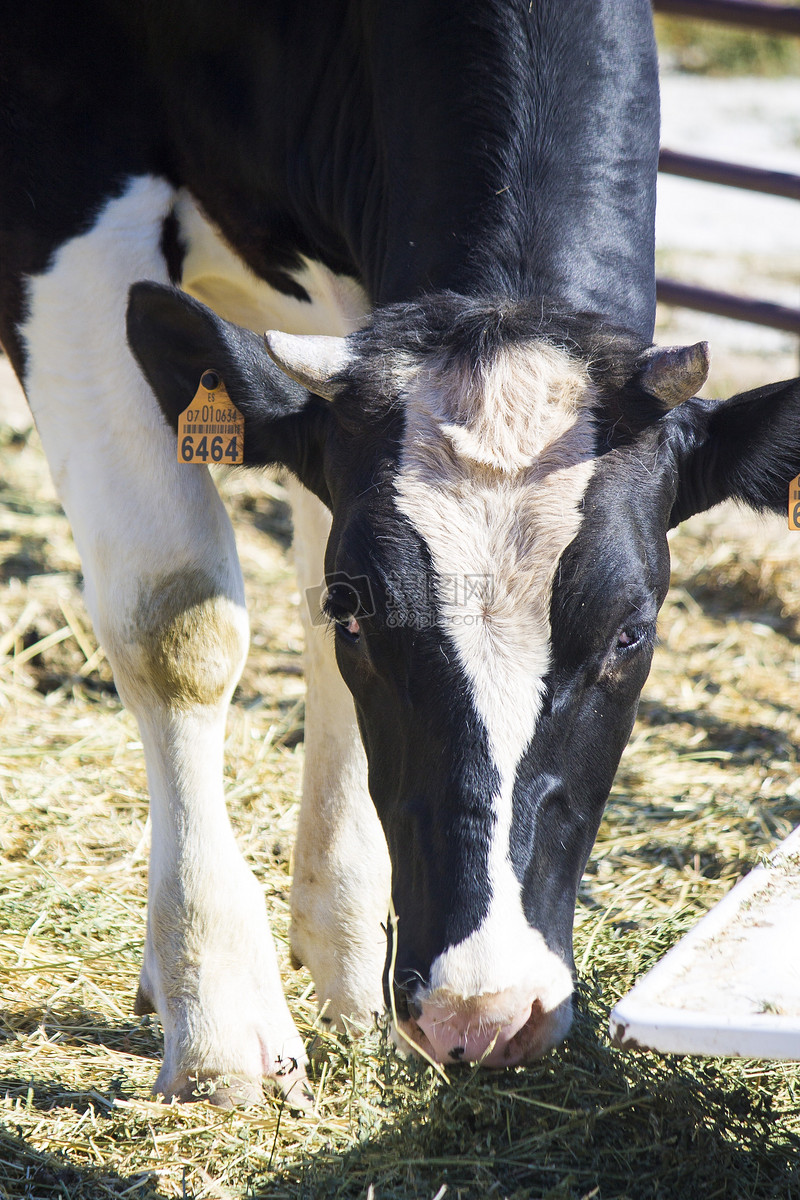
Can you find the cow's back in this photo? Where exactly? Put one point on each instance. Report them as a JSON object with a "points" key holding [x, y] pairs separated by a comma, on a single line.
{"points": [[490, 148]]}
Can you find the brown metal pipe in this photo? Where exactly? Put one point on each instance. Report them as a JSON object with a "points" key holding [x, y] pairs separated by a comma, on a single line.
{"points": [[754, 179], [722, 304]]}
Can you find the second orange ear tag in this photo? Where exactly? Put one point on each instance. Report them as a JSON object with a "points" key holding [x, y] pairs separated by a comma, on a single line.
{"points": [[211, 429], [794, 505]]}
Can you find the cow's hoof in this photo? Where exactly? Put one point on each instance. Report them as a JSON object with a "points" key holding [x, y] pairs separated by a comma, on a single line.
{"points": [[225, 1091], [232, 1091], [292, 1086]]}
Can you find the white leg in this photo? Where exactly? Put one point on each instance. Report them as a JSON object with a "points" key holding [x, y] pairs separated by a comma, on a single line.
{"points": [[340, 893], [165, 593]]}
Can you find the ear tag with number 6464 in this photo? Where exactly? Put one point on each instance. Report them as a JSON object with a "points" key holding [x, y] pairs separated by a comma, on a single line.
{"points": [[794, 505], [211, 429]]}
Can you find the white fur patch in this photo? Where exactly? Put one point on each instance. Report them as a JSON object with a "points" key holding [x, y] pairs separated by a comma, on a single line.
{"points": [[214, 274], [492, 475]]}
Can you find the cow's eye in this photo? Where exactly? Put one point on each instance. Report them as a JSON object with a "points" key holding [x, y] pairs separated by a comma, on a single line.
{"points": [[341, 605], [632, 637]]}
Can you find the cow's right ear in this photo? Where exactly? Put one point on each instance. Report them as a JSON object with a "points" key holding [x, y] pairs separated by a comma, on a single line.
{"points": [[175, 339]]}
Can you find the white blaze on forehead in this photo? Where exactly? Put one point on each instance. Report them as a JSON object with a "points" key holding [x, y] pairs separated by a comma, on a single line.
{"points": [[492, 475], [493, 471]]}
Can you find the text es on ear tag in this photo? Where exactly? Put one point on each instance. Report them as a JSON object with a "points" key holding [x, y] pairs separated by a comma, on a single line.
{"points": [[794, 505], [211, 429]]}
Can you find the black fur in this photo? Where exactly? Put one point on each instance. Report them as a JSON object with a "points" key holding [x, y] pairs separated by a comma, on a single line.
{"points": [[172, 247], [175, 339], [489, 146]]}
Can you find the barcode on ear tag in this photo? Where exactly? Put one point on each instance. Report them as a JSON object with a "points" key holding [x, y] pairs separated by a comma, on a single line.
{"points": [[211, 429], [794, 505]]}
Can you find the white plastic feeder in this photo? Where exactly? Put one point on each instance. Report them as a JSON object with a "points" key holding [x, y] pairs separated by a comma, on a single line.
{"points": [[731, 986]]}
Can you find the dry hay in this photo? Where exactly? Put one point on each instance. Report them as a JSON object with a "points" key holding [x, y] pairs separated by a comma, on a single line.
{"points": [[708, 784]]}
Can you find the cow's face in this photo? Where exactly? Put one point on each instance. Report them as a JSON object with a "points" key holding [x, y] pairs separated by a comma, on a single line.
{"points": [[494, 585], [496, 563]]}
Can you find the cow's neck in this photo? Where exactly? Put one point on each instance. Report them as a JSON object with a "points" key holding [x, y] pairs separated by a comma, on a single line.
{"points": [[411, 175]]}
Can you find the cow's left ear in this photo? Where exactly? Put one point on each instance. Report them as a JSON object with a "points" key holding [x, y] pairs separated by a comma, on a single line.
{"points": [[175, 339], [746, 448]]}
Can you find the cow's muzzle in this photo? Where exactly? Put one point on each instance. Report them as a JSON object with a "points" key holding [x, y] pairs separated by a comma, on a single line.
{"points": [[505, 1029]]}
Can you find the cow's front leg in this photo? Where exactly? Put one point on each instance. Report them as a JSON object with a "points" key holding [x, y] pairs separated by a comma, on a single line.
{"points": [[209, 966], [340, 892], [165, 593]]}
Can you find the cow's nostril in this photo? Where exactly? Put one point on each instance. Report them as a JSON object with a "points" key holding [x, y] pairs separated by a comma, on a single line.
{"points": [[457, 1053]]}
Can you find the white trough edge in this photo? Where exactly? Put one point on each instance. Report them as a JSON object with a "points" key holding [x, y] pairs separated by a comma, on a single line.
{"points": [[641, 1020]]}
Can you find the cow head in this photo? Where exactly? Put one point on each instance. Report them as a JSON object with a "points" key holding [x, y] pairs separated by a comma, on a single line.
{"points": [[501, 485]]}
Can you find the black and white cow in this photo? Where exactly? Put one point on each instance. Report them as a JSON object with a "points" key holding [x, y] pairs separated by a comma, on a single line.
{"points": [[458, 196]]}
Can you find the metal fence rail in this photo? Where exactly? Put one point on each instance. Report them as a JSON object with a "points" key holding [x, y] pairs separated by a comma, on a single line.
{"points": [[712, 170], [723, 304], [768, 18]]}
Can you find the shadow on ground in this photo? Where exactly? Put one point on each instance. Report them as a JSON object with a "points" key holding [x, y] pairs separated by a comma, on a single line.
{"points": [[588, 1121], [29, 1173]]}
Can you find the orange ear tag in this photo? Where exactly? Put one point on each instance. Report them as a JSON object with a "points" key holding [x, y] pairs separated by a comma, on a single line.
{"points": [[211, 429], [794, 505]]}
